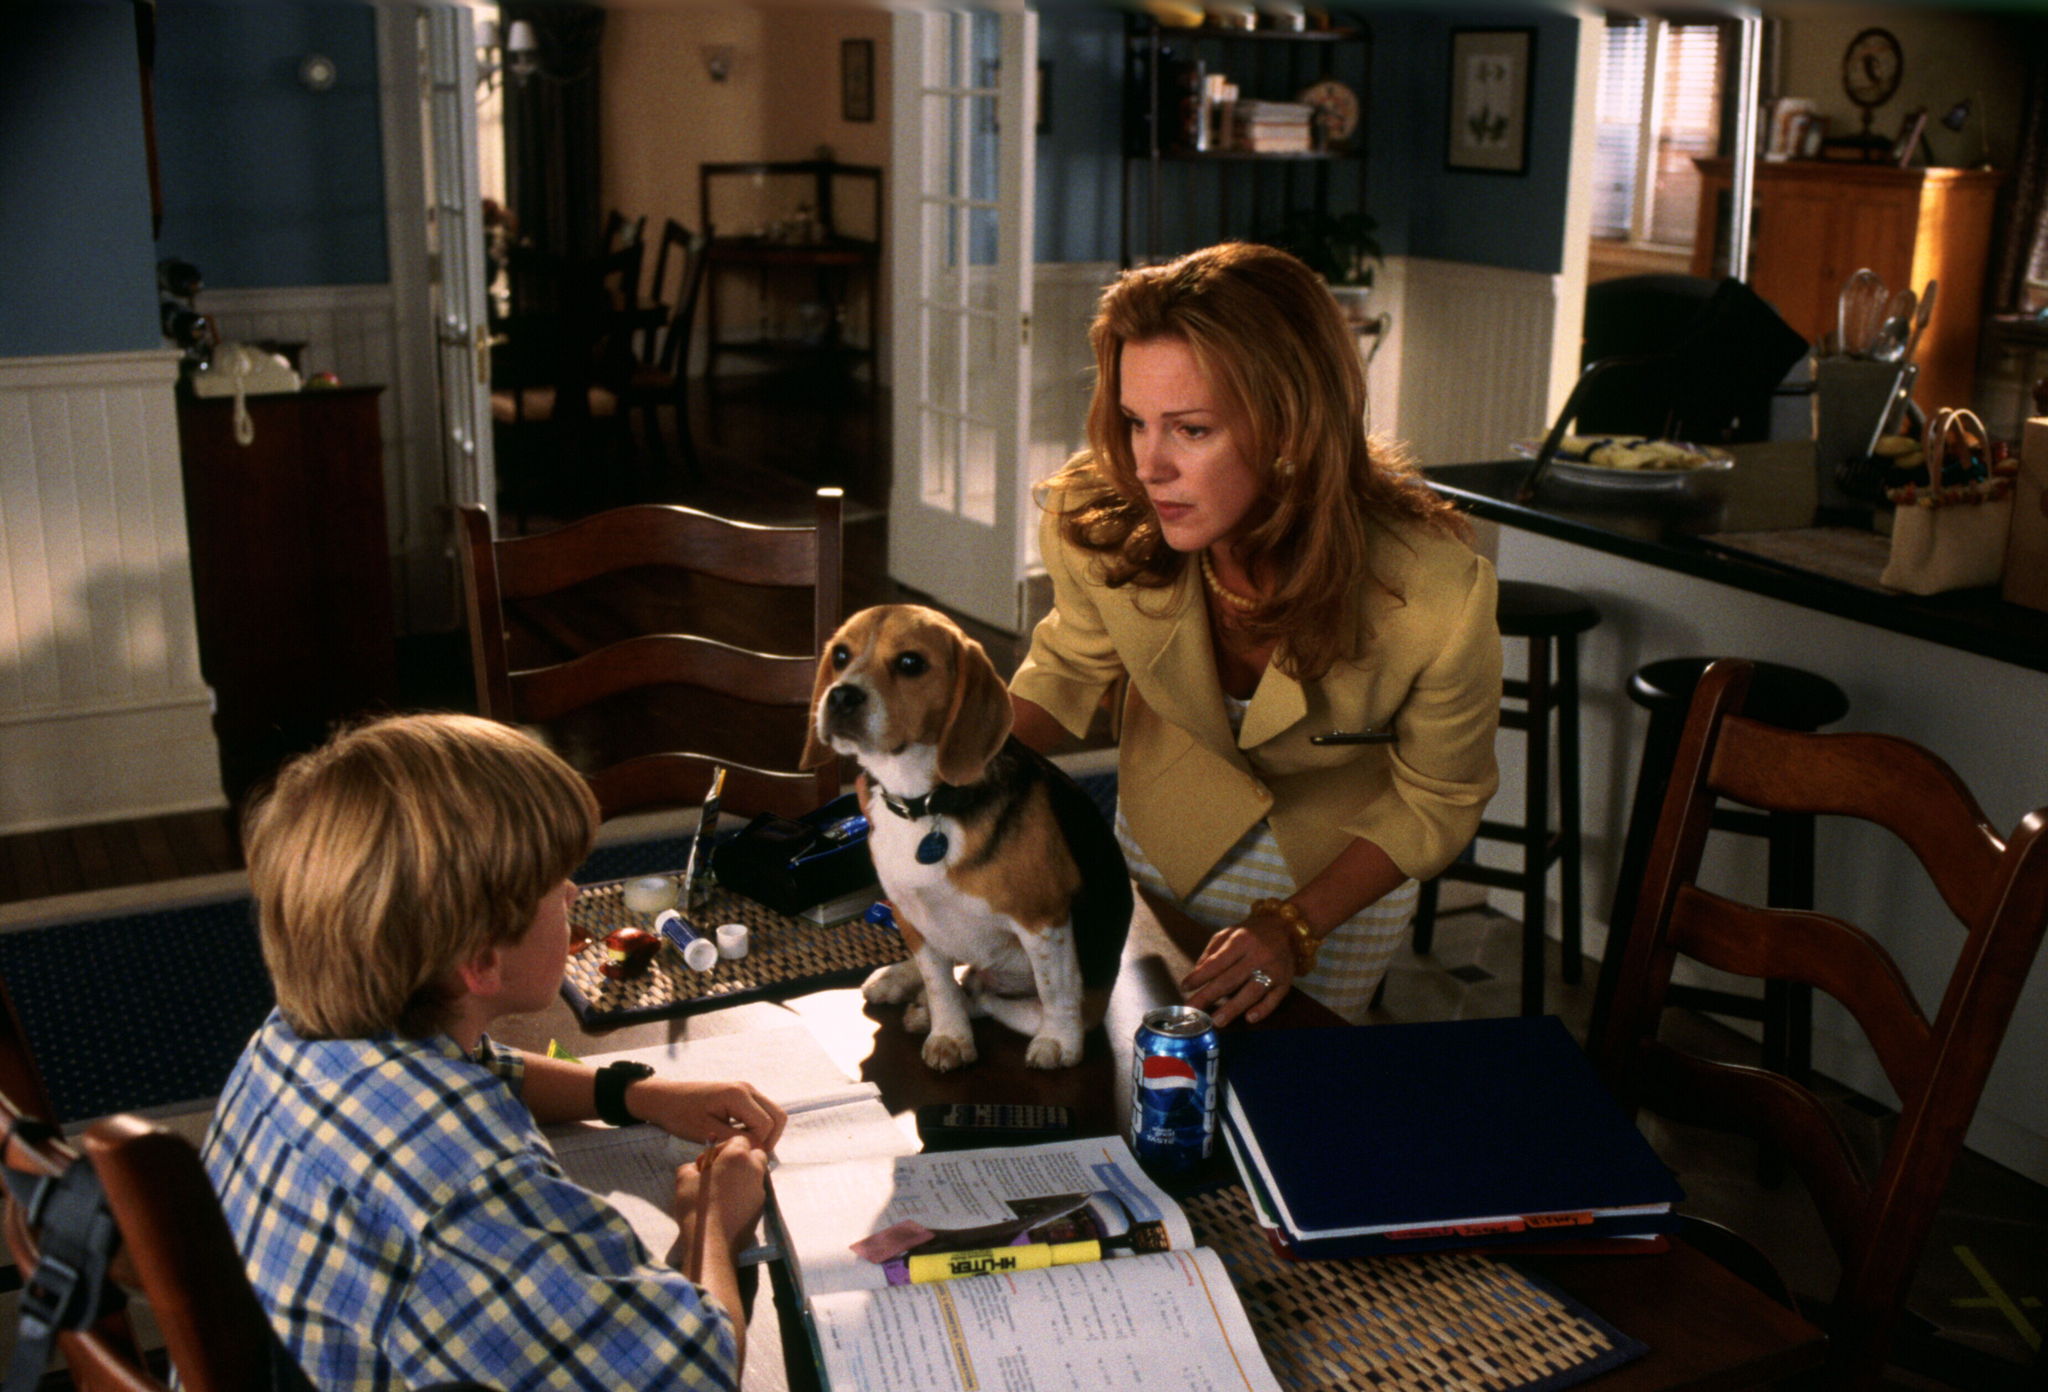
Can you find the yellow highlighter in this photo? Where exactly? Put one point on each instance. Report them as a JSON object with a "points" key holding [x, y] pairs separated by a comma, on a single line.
{"points": [[995, 1261]]}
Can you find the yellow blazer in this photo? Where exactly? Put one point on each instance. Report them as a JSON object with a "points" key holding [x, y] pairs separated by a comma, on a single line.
{"points": [[1189, 789]]}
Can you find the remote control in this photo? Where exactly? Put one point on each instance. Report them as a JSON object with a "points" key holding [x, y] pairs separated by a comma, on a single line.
{"points": [[972, 1125]]}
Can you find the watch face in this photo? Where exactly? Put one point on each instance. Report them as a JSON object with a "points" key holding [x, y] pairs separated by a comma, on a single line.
{"points": [[1871, 67]]}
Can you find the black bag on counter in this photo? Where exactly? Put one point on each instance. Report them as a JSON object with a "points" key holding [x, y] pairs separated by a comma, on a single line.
{"points": [[794, 865]]}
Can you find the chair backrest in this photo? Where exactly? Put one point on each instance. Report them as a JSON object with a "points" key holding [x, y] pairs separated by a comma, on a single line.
{"points": [[1998, 889], [175, 1249], [669, 349], [532, 595]]}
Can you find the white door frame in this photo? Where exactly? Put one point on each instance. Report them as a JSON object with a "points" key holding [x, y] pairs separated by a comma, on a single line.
{"points": [[449, 429], [960, 490]]}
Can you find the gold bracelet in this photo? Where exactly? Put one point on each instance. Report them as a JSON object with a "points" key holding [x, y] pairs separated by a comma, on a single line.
{"points": [[1305, 941]]}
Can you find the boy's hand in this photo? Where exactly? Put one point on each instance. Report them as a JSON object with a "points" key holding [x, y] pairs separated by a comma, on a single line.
{"points": [[719, 1197], [707, 1112]]}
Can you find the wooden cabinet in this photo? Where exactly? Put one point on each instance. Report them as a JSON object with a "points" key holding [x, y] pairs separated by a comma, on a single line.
{"points": [[827, 269], [1819, 223], [291, 570]]}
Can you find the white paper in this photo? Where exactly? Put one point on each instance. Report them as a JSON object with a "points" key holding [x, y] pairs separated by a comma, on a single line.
{"points": [[830, 1118], [1164, 1320], [828, 1207]]}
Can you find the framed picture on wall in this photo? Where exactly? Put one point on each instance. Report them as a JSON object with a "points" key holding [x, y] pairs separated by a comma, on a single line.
{"points": [[1490, 100], [857, 79]]}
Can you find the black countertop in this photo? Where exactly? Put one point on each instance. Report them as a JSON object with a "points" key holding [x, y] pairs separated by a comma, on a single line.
{"points": [[1771, 489]]}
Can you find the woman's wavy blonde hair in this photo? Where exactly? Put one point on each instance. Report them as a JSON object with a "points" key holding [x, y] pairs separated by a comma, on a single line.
{"points": [[1269, 337], [396, 852]]}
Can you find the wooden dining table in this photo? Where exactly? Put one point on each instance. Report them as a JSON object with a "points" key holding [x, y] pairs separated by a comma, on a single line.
{"points": [[1705, 1327]]}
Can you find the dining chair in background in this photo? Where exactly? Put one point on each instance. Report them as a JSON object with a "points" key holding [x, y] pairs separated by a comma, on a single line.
{"points": [[653, 643], [1876, 1221], [562, 365], [661, 376]]}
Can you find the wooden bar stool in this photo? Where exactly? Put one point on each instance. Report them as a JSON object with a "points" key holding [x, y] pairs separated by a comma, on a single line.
{"points": [[1547, 618], [1791, 699]]}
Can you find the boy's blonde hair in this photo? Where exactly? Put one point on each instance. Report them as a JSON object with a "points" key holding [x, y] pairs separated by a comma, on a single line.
{"points": [[396, 852]]}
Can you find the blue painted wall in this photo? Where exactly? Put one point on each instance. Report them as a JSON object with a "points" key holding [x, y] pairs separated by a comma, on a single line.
{"points": [[1511, 220], [80, 271], [1422, 209], [265, 182], [1079, 164]]}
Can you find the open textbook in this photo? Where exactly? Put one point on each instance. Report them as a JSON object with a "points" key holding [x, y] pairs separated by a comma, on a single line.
{"points": [[1030, 1267], [830, 1119]]}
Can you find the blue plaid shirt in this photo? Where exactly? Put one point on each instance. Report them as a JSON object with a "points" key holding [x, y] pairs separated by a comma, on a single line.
{"points": [[405, 1223]]}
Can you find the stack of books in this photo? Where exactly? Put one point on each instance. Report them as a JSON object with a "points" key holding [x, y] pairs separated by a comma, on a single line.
{"points": [[1387, 1139], [1272, 127]]}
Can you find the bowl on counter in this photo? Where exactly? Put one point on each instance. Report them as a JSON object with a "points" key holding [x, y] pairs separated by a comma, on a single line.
{"points": [[1700, 480]]}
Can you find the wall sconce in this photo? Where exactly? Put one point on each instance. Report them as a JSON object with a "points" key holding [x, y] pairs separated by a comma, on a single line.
{"points": [[522, 50], [718, 61]]}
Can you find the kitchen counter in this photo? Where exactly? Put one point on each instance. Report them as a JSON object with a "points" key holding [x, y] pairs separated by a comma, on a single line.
{"points": [[1766, 536], [1963, 674]]}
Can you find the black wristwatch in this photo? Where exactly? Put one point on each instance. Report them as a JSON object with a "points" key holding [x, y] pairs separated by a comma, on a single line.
{"points": [[612, 1081]]}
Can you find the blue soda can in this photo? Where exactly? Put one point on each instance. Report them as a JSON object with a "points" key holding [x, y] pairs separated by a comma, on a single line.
{"points": [[1174, 1087]]}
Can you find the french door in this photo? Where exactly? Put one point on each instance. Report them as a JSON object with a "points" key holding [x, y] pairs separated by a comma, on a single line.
{"points": [[960, 223]]}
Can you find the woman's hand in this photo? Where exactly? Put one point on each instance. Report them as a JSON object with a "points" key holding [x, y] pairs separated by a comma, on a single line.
{"points": [[718, 1200], [707, 1112], [1222, 982]]}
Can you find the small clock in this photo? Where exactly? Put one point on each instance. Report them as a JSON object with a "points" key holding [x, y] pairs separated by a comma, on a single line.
{"points": [[1336, 109], [1871, 68]]}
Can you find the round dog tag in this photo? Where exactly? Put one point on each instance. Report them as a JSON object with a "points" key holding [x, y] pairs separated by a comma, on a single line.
{"points": [[932, 849]]}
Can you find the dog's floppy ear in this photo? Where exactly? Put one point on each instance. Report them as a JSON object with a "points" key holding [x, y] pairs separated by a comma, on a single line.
{"points": [[977, 721], [816, 751]]}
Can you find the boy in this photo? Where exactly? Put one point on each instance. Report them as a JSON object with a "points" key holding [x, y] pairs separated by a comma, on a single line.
{"points": [[379, 1160]]}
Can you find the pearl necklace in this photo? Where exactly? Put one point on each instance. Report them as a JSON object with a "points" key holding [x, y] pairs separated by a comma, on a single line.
{"points": [[1240, 603]]}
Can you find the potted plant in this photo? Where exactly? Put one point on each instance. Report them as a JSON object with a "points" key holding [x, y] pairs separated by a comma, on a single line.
{"points": [[1341, 248]]}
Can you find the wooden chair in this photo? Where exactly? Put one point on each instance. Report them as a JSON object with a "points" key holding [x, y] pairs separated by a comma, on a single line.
{"points": [[175, 1249], [562, 365], [568, 623], [1878, 1222], [660, 378]]}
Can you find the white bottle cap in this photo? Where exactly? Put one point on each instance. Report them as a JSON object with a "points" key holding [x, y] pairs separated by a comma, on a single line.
{"points": [[732, 940]]}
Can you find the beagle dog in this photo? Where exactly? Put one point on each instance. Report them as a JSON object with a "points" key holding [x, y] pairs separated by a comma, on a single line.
{"points": [[990, 855]]}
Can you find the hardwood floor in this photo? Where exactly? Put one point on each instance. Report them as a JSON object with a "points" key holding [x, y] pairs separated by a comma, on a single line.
{"points": [[764, 444]]}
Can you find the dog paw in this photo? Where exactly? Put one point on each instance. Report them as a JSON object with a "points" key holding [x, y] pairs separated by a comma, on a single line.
{"points": [[893, 984], [944, 1052], [917, 1016], [1050, 1051]]}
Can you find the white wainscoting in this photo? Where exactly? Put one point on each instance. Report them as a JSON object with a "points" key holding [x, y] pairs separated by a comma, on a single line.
{"points": [[1473, 361], [353, 332], [103, 712]]}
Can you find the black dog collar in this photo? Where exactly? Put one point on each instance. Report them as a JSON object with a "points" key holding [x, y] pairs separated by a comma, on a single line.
{"points": [[942, 800]]}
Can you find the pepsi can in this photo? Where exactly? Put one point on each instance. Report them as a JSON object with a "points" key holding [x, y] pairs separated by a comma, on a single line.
{"points": [[1174, 1087]]}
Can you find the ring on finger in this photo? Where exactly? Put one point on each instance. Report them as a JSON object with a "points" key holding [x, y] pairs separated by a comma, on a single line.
{"points": [[1261, 980]]}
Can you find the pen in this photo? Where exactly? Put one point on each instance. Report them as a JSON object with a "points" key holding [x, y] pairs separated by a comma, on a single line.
{"points": [[994, 1261], [1354, 737], [700, 844]]}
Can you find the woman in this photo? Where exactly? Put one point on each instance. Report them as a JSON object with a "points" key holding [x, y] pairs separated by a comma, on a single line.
{"points": [[1313, 667]]}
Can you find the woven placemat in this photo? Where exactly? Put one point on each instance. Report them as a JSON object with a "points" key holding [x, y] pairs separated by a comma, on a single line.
{"points": [[1427, 1323], [785, 955]]}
